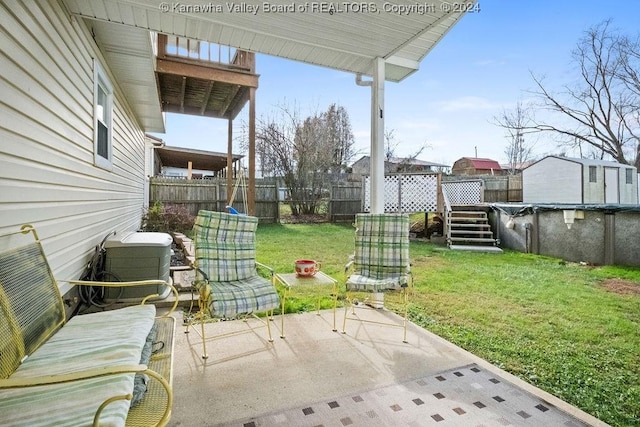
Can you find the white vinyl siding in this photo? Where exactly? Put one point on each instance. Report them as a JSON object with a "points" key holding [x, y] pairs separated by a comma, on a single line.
{"points": [[48, 177]]}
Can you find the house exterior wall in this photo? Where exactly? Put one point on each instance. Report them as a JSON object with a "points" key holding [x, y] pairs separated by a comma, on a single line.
{"points": [[47, 174], [553, 180], [396, 165], [363, 166], [152, 159]]}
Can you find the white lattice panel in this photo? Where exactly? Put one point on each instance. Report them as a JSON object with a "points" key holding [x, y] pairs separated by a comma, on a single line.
{"points": [[419, 193], [464, 192], [406, 193], [391, 190], [366, 205]]}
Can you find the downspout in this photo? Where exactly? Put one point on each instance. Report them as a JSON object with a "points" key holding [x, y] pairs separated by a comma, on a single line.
{"points": [[361, 82]]}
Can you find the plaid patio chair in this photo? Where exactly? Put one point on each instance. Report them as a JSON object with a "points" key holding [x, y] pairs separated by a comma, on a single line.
{"points": [[227, 280], [380, 264]]}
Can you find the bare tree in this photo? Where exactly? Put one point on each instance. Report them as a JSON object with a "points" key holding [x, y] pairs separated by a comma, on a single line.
{"points": [[303, 152], [630, 75], [339, 139], [516, 123], [601, 110], [391, 145], [630, 64]]}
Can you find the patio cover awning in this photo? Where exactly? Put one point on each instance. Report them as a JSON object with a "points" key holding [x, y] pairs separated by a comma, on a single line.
{"points": [[180, 157], [344, 36], [382, 39]]}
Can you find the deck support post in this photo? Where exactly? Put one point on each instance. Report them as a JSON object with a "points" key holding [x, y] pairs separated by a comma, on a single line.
{"points": [[230, 173], [251, 191]]}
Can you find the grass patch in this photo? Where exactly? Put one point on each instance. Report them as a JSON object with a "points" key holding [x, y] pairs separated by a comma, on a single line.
{"points": [[554, 324]]}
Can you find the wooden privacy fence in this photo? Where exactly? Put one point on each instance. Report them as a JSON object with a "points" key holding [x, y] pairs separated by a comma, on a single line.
{"points": [[403, 192], [211, 194], [503, 188], [345, 202]]}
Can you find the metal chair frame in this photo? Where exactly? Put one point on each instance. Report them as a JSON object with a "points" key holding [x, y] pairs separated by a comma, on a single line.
{"points": [[205, 285], [380, 275]]}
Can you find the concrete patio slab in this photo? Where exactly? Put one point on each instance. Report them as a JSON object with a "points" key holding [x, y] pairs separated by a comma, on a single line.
{"points": [[248, 381]]}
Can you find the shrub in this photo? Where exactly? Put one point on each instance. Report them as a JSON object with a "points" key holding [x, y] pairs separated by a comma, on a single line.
{"points": [[167, 219]]}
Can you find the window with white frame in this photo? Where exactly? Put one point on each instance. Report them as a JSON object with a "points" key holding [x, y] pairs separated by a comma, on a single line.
{"points": [[593, 174], [103, 105], [629, 177]]}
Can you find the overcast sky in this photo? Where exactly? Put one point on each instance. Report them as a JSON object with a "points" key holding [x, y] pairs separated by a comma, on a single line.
{"points": [[481, 67]]}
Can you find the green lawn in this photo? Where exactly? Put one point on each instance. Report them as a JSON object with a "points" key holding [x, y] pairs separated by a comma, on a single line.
{"points": [[551, 323]]}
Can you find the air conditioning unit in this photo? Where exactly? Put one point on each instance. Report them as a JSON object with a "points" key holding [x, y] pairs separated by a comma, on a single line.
{"points": [[137, 256]]}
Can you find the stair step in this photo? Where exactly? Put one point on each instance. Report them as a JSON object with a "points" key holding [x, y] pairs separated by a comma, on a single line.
{"points": [[469, 212], [468, 218], [470, 228], [473, 239], [468, 225], [474, 232], [493, 249]]}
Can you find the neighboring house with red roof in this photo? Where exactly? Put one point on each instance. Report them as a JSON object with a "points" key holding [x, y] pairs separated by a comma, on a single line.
{"points": [[476, 166]]}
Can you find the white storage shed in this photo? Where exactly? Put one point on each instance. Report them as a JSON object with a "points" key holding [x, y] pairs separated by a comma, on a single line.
{"points": [[556, 179]]}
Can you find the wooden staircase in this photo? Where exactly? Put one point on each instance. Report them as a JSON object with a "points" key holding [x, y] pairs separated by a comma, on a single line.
{"points": [[469, 229]]}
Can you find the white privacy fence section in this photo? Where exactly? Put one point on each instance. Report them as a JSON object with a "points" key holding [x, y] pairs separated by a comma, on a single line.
{"points": [[406, 193], [464, 192]]}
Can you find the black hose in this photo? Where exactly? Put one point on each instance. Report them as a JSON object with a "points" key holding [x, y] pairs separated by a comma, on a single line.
{"points": [[95, 272]]}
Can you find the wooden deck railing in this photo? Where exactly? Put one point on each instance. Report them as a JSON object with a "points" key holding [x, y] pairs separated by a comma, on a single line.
{"points": [[204, 52]]}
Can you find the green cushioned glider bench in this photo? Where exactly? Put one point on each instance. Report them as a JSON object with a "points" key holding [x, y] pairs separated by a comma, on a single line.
{"points": [[111, 368]]}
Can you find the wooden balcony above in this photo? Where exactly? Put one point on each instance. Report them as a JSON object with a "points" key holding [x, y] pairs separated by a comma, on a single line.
{"points": [[194, 78]]}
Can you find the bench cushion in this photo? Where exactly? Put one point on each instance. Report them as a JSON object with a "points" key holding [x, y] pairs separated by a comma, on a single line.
{"points": [[109, 338]]}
